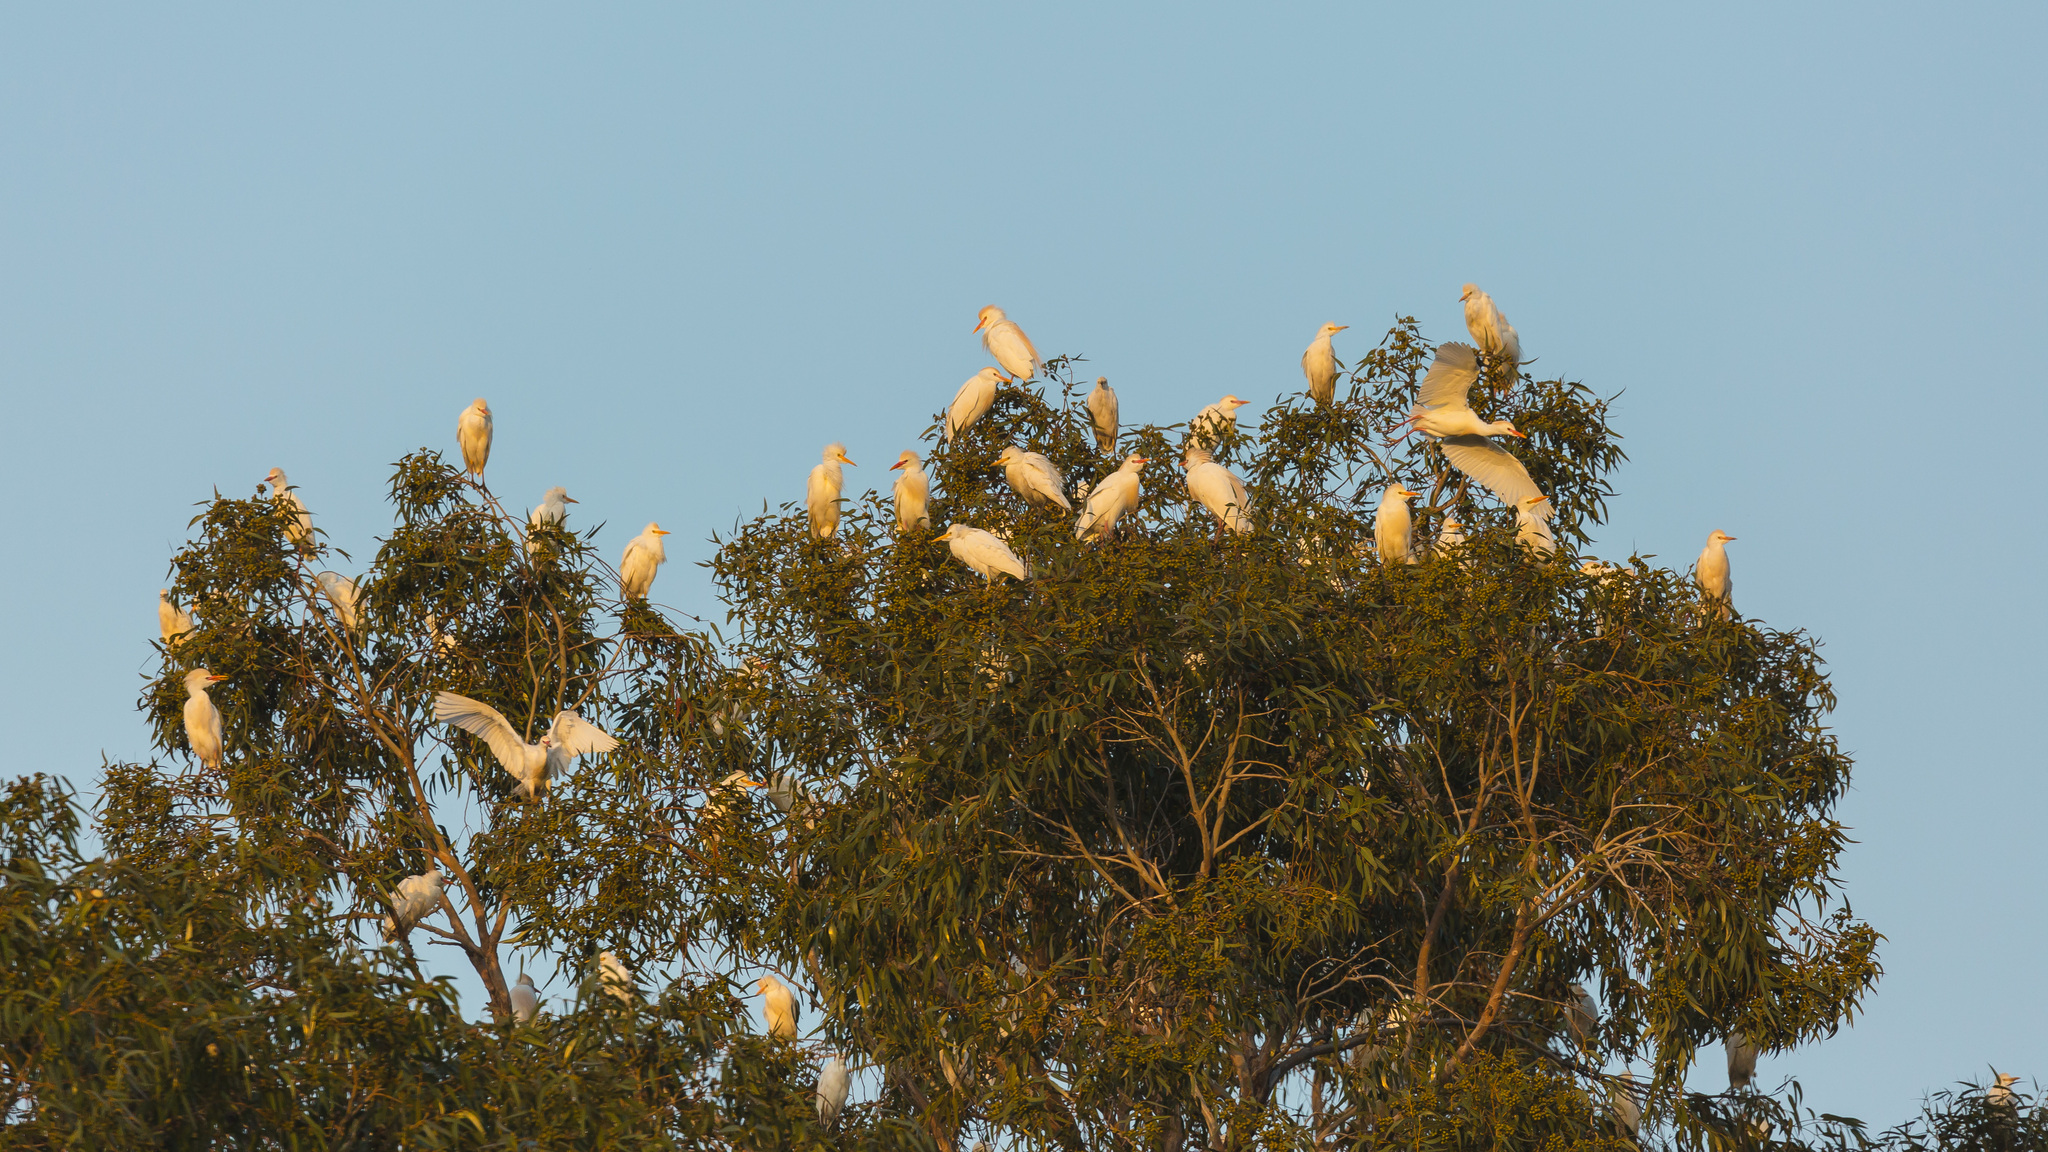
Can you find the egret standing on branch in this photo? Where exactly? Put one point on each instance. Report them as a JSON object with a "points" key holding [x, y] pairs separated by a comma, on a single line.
{"points": [[473, 432], [1581, 1013], [525, 1000], [972, 402], [567, 738], [913, 492], [821, 495], [1717, 590], [778, 1004], [1007, 343], [833, 1082], [1393, 526], [300, 530], [983, 551], [415, 900], [1492, 332], [1741, 1059], [1442, 407], [549, 513], [340, 592], [1034, 477], [1218, 489], [202, 719], [171, 620], [1211, 421], [1102, 414], [1320, 365], [1116, 495], [615, 977], [643, 557]]}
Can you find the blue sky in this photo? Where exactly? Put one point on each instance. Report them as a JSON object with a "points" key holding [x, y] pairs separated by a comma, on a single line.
{"points": [[680, 249]]}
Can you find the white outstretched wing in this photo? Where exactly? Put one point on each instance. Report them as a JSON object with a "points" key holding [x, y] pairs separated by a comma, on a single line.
{"points": [[1492, 465], [1450, 378], [480, 719], [572, 736]]}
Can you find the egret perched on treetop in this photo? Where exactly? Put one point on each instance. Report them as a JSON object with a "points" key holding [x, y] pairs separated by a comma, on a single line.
{"points": [[340, 592], [833, 1082], [300, 529], [1034, 477], [415, 900], [972, 402], [525, 1000], [778, 1004], [1216, 417], [1393, 525], [1116, 495], [1711, 574], [984, 552], [549, 513], [1442, 407], [643, 556], [1007, 343], [1217, 488], [821, 495], [1102, 414], [1320, 364], [1492, 332], [568, 737], [913, 492], [1741, 1059], [171, 620], [202, 719], [615, 977], [1999, 1095], [473, 432]]}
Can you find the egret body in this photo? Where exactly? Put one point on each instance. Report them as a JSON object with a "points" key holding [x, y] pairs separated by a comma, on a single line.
{"points": [[1711, 574], [1393, 526], [778, 1004], [551, 512], [913, 493], [1213, 420], [340, 592], [202, 719], [643, 556], [1581, 1013], [1491, 331], [985, 552], [171, 620], [473, 432], [1450, 535], [972, 402], [1116, 495], [525, 1000], [568, 737], [1102, 414], [1741, 1059], [1532, 524], [1034, 477], [1999, 1095], [615, 977], [1007, 343], [833, 1082], [300, 529], [1218, 489], [416, 899], [1319, 364], [821, 495]]}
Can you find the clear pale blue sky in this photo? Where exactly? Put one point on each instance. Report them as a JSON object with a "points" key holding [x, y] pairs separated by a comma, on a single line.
{"points": [[679, 250]]}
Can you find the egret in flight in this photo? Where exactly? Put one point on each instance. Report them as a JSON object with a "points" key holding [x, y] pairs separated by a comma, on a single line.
{"points": [[913, 492], [1102, 414], [1492, 332], [1442, 407], [1218, 489], [1007, 343], [1212, 421], [1711, 574], [416, 899], [551, 512], [1116, 495], [1034, 477], [985, 552], [1532, 524], [300, 529], [778, 1004], [615, 977], [643, 557], [821, 495], [1320, 364], [1393, 525], [525, 1000], [568, 737], [972, 402], [1741, 1059], [833, 1082], [473, 432], [202, 719], [340, 592], [171, 620]]}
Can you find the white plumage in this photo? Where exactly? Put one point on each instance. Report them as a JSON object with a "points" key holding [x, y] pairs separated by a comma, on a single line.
{"points": [[1216, 418], [985, 552], [1741, 1059], [1450, 535], [972, 402], [1102, 414], [913, 493], [1007, 343], [1621, 1096], [300, 529], [551, 512], [833, 1081], [1393, 526], [1492, 332], [171, 620], [1442, 404], [1319, 364], [615, 978], [416, 899], [1532, 524], [1218, 489], [525, 1000], [821, 495], [1493, 466], [1034, 477], [202, 719], [1717, 588], [340, 592], [643, 557], [778, 1004], [1117, 494], [567, 738], [473, 432], [1999, 1095]]}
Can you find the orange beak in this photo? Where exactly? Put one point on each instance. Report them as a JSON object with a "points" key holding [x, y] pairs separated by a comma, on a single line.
{"points": [[845, 461], [1523, 435], [1342, 327], [898, 464], [215, 679], [569, 500], [977, 325]]}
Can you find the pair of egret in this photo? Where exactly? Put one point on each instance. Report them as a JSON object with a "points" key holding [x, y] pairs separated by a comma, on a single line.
{"points": [[1490, 330], [1012, 349], [568, 737]]}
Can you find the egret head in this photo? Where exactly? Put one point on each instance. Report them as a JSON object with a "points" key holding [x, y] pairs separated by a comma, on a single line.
{"points": [[197, 679], [1196, 456], [909, 459], [952, 532], [1469, 292], [163, 593], [1452, 524], [1102, 381], [654, 529], [525, 980], [479, 407], [1010, 454], [1233, 403], [1133, 462], [1331, 329], [1533, 503], [276, 480], [561, 495], [1508, 427], [835, 453], [1399, 491], [1719, 537], [2006, 1079], [990, 317]]}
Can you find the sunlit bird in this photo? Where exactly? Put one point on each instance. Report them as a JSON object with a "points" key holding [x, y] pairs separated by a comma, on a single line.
{"points": [[833, 1081], [1319, 364], [778, 1004], [525, 1000], [1717, 589], [1218, 489], [1532, 524], [1741, 1059], [1492, 332], [972, 402], [1117, 494], [567, 738], [643, 557], [913, 493], [1393, 525], [1214, 420], [300, 529], [1007, 343], [1494, 467], [1999, 1095], [1034, 477], [983, 551], [1450, 535], [416, 899], [551, 512], [174, 622], [340, 591], [615, 978], [1102, 414], [473, 432], [202, 719], [1443, 405], [821, 495]]}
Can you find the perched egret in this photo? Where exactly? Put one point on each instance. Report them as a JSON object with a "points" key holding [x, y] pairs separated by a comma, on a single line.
{"points": [[1034, 477], [1394, 524], [1581, 1013], [1492, 332], [821, 495], [172, 620], [1320, 364], [643, 556], [972, 402], [1007, 343], [1741, 1059], [1711, 574], [985, 552], [913, 492], [1102, 413], [549, 513], [568, 737], [340, 592], [1218, 489], [300, 530], [778, 1004], [1450, 535], [416, 899], [1532, 524], [443, 642], [473, 432], [1116, 495], [1999, 1095], [1212, 421], [525, 1000], [1621, 1097], [615, 977], [1442, 403], [202, 719], [718, 798], [786, 792], [833, 1082]]}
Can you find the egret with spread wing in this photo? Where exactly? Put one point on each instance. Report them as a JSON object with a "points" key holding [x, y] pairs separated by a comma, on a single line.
{"points": [[569, 737]]}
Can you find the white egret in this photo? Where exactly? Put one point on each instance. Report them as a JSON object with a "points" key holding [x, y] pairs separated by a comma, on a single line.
{"points": [[972, 402], [1442, 404], [718, 798], [1218, 489], [985, 552], [416, 899], [821, 495], [1532, 524], [1621, 1096], [300, 530], [202, 719], [1491, 331], [778, 1004], [1741, 1059], [340, 592], [913, 493], [1007, 343], [1116, 495], [1102, 413], [786, 792], [1320, 364], [551, 512], [1999, 1095], [1034, 477], [1212, 421], [568, 737], [643, 556], [443, 642], [1493, 466], [1393, 525], [473, 432], [525, 1000], [615, 978], [1450, 535], [833, 1081], [171, 620], [1581, 1013], [1711, 574]]}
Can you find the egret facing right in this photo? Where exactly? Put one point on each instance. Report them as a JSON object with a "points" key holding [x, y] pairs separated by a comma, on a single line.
{"points": [[833, 1082], [202, 719], [1393, 525], [1492, 332], [300, 529], [821, 495], [549, 513], [972, 402], [1108, 501], [525, 1000], [1319, 364], [473, 432], [913, 492], [1717, 588], [643, 557]]}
